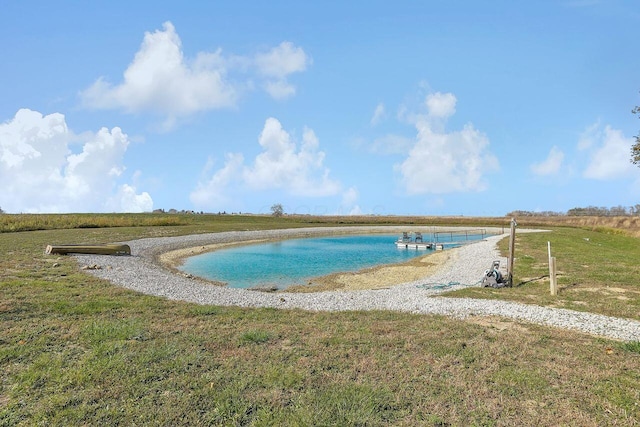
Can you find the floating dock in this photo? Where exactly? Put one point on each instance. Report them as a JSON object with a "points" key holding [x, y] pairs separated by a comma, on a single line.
{"points": [[418, 242], [419, 246]]}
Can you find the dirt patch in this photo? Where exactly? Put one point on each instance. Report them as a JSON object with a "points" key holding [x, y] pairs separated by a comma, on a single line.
{"points": [[610, 290], [497, 323]]}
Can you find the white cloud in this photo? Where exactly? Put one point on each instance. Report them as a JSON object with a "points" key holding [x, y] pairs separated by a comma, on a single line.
{"points": [[551, 165], [161, 80], [378, 114], [127, 200], [213, 192], [40, 173], [282, 165], [444, 162], [350, 202], [442, 105], [282, 60], [610, 157], [280, 89], [277, 64], [590, 136], [350, 197], [355, 210]]}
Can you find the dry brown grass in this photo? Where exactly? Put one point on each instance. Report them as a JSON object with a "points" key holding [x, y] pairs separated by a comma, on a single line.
{"points": [[629, 225]]}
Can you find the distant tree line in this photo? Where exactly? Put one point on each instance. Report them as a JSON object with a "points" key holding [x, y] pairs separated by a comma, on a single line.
{"points": [[175, 211], [191, 212], [531, 213], [588, 211]]}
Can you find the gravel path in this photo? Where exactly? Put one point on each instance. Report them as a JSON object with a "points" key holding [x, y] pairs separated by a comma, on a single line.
{"points": [[142, 272]]}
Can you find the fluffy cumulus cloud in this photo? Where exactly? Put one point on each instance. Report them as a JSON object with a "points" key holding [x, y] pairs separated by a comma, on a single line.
{"points": [[551, 165], [609, 152], [161, 80], [277, 64], [283, 164], [444, 162], [41, 172]]}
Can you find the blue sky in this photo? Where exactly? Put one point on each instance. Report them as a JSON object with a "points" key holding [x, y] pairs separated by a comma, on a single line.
{"points": [[412, 107]]}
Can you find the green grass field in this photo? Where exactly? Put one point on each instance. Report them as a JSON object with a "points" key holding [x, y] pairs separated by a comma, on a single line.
{"points": [[76, 350], [597, 272]]}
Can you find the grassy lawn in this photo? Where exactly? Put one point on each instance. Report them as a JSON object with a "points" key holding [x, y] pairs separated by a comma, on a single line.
{"points": [[598, 272], [75, 350]]}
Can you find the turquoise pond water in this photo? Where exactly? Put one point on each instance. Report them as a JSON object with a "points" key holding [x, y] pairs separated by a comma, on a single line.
{"points": [[288, 262]]}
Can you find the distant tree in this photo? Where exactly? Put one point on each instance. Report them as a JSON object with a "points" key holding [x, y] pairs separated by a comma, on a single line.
{"points": [[1, 211], [635, 149], [618, 211], [603, 211], [277, 210]]}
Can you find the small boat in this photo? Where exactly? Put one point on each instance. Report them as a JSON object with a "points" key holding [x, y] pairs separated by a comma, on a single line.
{"points": [[107, 249]]}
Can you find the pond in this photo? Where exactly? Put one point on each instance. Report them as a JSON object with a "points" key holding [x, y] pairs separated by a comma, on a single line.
{"points": [[296, 261]]}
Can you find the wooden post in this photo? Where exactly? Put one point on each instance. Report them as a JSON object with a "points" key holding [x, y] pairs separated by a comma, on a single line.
{"points": [[553, 283], [512, 248]]}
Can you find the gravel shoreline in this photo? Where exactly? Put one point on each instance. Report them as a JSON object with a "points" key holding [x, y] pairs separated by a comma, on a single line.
{"points": [[143, 272]]}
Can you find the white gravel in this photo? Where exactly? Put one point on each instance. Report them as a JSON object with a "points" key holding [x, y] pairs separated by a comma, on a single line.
{"points": [[142, 272]]}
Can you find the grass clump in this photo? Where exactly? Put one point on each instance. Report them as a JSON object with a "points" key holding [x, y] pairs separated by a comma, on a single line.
{"points": [[255, 337], [633, 346], [31, 222]]}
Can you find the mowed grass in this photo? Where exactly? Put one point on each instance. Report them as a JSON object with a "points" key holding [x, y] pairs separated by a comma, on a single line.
{"points": [[597, 271], [76, 350]]}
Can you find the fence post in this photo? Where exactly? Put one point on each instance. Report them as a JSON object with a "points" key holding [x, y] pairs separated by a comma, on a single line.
{"points": [[512, 248], [553, 283]]}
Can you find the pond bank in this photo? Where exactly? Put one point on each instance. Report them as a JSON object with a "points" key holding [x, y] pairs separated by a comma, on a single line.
{"points": [[142, 272]]}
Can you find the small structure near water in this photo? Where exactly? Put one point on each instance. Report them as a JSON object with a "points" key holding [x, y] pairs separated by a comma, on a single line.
{"points": [[438, 239]]}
